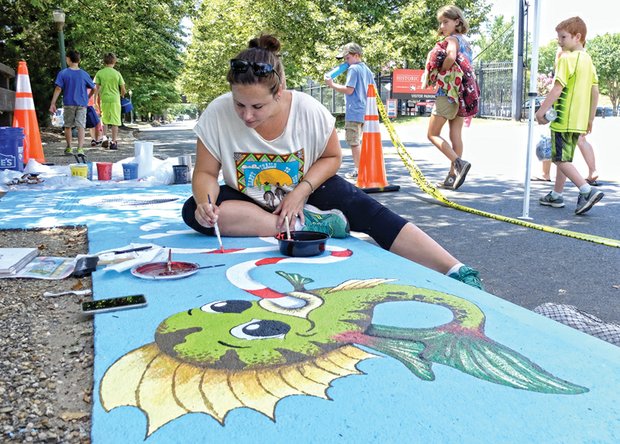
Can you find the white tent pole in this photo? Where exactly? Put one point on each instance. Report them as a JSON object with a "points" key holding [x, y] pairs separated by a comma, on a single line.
{"points": [[532, 99], [517, 62]]}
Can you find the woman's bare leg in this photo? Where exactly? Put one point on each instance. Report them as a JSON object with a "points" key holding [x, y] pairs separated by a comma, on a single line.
{"points": [[414, 244]]}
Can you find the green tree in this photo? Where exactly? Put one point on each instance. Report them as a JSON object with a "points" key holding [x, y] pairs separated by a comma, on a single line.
{"points": [[546, 57], [24, 35], [145, 35], [604, 51], [393, 33], [496, 41]]}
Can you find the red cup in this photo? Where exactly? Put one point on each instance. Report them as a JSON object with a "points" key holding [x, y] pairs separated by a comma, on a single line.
{"points": [[104, 170]]}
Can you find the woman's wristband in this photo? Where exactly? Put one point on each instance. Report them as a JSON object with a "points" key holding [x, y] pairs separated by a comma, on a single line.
{"points": [[309, 184]]}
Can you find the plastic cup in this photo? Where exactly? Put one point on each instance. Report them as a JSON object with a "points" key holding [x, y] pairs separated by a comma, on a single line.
{"points": [[130, 171], [186, 159], [79, 170], [181, 173], [89, 175], [104, 170]]}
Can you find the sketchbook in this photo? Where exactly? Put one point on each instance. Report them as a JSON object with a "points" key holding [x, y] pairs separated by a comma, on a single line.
{"points": [[14, 259]]}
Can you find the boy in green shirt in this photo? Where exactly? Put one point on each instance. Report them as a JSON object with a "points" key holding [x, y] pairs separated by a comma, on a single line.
{"points": [[110, 87], [574, 96]]}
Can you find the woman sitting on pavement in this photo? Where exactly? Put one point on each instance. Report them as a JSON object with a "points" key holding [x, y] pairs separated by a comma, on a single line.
{"points": [[279, 154]]}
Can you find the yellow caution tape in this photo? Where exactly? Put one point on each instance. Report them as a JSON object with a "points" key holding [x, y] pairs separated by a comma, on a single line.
{"points": [[431, 190]]}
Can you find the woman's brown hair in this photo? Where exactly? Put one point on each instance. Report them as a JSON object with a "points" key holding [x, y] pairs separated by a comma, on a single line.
{"points": [[262, 49]]}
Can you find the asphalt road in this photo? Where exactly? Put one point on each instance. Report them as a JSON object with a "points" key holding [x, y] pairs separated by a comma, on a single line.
{"points": [[522, 265]]}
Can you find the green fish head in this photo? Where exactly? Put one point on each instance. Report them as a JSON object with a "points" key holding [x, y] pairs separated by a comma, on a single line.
{"points": [[232, 333]]}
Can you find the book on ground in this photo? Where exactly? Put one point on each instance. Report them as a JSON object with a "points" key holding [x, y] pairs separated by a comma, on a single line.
{"points": [[14, 259]]}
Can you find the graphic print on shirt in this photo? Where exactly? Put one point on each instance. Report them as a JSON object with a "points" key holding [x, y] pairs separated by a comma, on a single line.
{"points": [[266, 178]]}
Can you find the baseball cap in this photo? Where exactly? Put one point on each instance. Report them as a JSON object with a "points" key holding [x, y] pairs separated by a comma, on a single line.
{"points": [[350, 48]]}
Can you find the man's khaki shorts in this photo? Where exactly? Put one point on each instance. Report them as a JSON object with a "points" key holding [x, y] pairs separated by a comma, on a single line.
{"points": [[444, 108], [74, 116], [353, 132]]}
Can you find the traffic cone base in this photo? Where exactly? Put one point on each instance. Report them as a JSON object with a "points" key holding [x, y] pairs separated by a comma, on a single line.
{"points": [[371, 173], [25, 117]]}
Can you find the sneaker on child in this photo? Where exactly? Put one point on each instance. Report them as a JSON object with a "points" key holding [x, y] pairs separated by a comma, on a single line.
{"points": [[68, 151], [448, 183], [351, 175], [332, 222], [462, 168], [586, 201], [550, 201], [468, 276], [113, 146]]}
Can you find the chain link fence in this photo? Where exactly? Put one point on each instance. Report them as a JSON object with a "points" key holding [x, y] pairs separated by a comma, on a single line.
{"points": [[495, 82], [494, 79]]}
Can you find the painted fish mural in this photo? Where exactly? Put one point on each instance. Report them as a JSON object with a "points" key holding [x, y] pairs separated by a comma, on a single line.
{"points": [[238, 353]]}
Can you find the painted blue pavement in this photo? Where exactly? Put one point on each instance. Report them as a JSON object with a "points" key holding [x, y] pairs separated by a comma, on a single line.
{"points": [[449, 362]]}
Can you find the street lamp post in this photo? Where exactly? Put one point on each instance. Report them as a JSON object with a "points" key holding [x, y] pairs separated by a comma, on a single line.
{"points": [[59, 19]]}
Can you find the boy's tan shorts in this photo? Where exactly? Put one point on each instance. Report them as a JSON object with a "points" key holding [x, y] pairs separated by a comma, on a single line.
{"points": [[353, 132], [444, 108], [74, 116]]}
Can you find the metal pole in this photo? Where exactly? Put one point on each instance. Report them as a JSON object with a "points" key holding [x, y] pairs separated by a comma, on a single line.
{"points": [[532, 99], [517, 62], [61, 45]]}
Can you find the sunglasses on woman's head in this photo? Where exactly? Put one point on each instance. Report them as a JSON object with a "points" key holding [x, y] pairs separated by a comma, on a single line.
{"points": [[258, 68]]}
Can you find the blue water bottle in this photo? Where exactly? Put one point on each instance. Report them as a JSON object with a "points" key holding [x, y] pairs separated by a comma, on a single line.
{"points": [[337, 71]]}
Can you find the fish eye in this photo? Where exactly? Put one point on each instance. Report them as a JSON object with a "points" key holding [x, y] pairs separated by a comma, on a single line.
{"points": [[260, 329], [226, 306]]}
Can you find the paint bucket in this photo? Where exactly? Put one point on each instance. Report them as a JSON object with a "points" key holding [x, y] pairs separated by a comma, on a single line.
{"points": [[181, 173], [302, 243], [79, 170], [130, 171], [11, 139], [104, 170]]}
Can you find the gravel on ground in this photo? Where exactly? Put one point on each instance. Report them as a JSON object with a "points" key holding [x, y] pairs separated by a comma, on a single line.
{"points": [[46, 375], [47, 347]]}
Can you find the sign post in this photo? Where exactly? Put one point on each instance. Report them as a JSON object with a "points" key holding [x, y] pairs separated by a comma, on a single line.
{"points": [[392, 105], [407, 84]]}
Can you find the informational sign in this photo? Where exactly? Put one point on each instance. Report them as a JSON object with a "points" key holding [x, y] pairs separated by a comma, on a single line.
{"points": [[392, 107], [407, 84]]}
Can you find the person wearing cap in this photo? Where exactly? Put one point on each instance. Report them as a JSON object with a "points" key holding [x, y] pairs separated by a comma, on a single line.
{"points": [[355, 89]]}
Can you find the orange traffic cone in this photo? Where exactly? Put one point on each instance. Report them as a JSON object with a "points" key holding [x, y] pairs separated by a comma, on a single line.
{"points": [[371, 175], [25, 117]]}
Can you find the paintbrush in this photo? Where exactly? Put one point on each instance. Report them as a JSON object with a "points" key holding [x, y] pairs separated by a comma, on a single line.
{"points": [[216, 227], [288, 229], [169, 263]]}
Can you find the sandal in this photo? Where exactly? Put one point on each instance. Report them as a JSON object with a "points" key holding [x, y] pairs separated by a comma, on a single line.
{"points": [[593, 182]]}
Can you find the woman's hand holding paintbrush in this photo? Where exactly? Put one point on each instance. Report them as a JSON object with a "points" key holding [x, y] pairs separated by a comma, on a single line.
{"points": [[215, 226]]}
